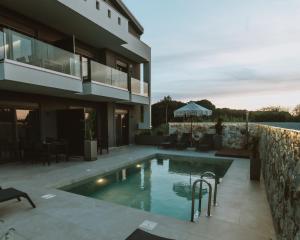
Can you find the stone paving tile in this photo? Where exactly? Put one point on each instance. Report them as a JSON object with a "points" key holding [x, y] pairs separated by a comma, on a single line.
{"points": [[243, 212]]}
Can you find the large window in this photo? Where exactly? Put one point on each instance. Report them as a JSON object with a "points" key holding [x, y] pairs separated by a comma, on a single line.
{"points": [[1, 45], [22, 48], [6, 124], [28, 125]]}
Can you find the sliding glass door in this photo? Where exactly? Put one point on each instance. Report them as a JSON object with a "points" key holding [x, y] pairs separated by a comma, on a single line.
{"points": [[122, 127]]}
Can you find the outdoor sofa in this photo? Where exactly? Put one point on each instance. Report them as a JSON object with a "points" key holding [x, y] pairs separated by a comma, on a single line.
{"points": [[173, 142], [206, 143]]}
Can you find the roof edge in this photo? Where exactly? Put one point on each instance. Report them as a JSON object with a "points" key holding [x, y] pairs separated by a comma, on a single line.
{"points": [[129, 13]]}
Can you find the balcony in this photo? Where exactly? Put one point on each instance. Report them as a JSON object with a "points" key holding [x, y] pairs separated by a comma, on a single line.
{"points": [[139, 88], [140, 91], [33, 63], [27, 50], [27, 64], [136, 86], [106, 82], [146, 89], [109, 76]]}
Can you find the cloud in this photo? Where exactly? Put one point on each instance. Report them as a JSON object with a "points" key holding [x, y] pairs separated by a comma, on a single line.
{"points": [[233, 52]]}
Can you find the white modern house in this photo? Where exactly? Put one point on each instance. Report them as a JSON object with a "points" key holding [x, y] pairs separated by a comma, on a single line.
{"points": [[64, 60]]}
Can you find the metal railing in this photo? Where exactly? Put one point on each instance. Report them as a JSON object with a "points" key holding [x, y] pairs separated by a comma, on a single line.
{"points": [[214, 176], [201, 181]]}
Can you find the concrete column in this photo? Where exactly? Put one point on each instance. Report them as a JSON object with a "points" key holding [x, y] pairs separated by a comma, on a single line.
{"points": [[111, 124], [147, 108]]}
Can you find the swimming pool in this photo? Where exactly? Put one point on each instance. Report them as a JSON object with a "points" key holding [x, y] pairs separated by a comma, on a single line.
{"points": [[160, 185]]}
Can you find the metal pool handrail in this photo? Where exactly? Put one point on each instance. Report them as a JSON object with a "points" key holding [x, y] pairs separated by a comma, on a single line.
{"points": [[213, 175], [200, 197]]}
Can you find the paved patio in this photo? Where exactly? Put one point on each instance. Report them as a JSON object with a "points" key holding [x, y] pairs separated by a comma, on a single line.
{"points": [[243, 212]]}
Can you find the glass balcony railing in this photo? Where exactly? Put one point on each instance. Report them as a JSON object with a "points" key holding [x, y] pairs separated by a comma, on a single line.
{"points": [[24, 49], [1, 45], [107, 75], [135, 86], [146, 89], [21, 48], [138, 87]]}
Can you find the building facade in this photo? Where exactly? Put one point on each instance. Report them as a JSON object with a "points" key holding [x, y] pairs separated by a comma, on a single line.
{"points": [[64, 60]]}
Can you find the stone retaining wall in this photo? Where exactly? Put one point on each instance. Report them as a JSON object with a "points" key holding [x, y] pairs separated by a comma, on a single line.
{"points": [[280, 154], [279, 151], [234, 134]]}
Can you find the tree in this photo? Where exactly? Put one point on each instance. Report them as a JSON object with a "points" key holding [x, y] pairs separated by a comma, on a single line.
{"points": [[270, 116], [162, 111], [230, 115], [274, 109], [167, 101], [296, 111], [206, 103]]}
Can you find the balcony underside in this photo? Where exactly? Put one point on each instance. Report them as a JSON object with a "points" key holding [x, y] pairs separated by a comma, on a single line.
{"points": [[140, 99], [19, 77], [99, 91]]}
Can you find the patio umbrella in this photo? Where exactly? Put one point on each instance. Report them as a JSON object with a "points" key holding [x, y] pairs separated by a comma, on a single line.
{"points": [[184, 190], [191, 110]]}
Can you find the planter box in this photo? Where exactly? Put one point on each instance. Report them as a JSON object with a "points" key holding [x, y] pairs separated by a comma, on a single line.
{"points": [[90, 150], [149, 140]]}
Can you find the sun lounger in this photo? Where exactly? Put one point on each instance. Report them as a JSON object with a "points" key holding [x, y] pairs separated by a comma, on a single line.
{"points": [[11, 193], [142, 235]]}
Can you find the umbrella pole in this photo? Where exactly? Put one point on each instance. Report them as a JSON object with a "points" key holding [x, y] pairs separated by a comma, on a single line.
{"points": [[191, 137]]}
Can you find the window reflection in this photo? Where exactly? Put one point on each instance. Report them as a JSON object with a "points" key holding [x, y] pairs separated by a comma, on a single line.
{"points": [[22, 48], [1, 46], [28, 125]]}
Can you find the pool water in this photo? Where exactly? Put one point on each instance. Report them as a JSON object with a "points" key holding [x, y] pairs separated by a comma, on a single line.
{"points": [[161, 186]]}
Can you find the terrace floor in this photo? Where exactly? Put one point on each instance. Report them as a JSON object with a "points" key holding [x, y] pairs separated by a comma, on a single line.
{"points": [[243, 211]]}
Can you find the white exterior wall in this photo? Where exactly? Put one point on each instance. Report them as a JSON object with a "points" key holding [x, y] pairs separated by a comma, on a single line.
{"points": [[88, 9]]}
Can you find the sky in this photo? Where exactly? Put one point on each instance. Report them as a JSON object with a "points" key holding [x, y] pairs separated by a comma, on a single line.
{"points": [[236, 53]]}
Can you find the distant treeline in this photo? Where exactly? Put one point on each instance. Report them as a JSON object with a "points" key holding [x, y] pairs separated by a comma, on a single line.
{"points": [[162, 112]]}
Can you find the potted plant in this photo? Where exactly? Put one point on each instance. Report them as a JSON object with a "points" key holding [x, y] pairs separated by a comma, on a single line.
{"points": [[90, 143], [218, 138], [255, 161]]}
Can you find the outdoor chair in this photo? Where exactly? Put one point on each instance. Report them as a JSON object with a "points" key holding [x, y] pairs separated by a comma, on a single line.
{"points": [[61, 149], [45, 152], [206, 143], [170, 142], [185, 141], [102, 144], [11, 194], [27, 150]]}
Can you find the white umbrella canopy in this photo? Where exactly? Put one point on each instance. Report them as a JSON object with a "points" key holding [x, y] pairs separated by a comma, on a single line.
{"points": [[192, 110]]}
